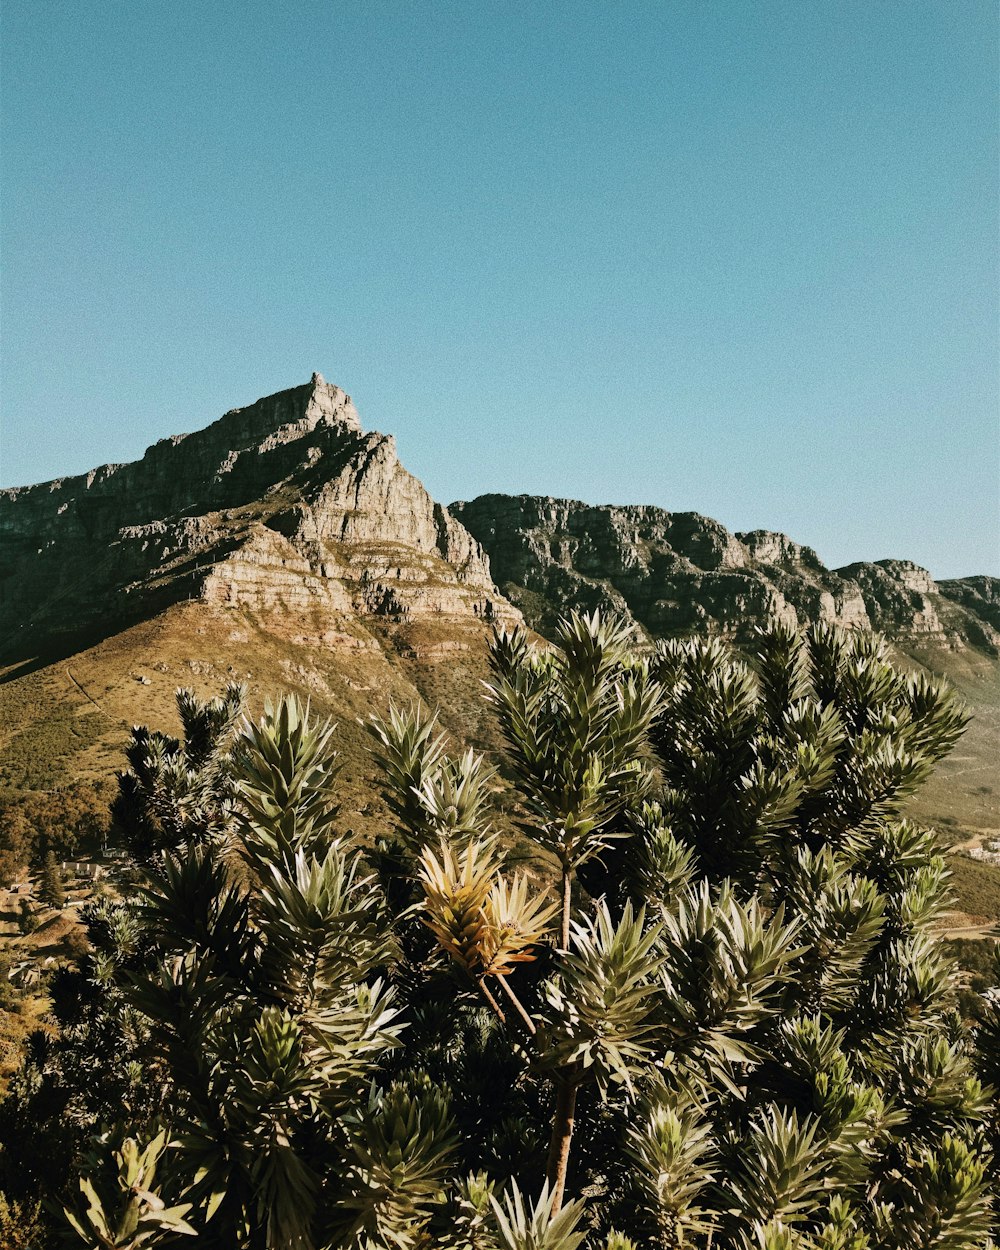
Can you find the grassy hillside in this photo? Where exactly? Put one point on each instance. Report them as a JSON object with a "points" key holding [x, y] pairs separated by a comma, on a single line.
{"points": [[962, 798], [70, 720]]}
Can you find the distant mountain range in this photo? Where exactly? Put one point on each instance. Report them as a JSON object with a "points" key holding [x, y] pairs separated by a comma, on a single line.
{"points": [[284, 546], [679, 572]]}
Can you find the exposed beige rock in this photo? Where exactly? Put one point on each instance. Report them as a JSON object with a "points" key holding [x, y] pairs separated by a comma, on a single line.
{"points": [[286, 505], [675, 573]]}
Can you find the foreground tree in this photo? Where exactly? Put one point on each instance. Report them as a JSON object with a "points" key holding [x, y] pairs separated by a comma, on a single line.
{"points": [[696, 1001], [744, 1015], [51, 890]]}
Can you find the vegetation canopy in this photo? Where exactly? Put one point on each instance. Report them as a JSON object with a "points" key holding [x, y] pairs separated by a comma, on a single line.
{"points": [[693, 1000]]}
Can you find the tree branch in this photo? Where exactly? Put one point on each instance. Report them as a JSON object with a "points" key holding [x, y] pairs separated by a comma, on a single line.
{"points": [[492, 1001], [567, 1084], [528, 1022]]}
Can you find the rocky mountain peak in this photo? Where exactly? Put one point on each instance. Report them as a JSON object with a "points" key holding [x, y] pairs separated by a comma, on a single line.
{"points": [[285, 417], [282, 505]]}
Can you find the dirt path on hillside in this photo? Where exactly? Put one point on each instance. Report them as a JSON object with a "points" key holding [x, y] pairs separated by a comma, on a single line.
{"points": [[83, 690], [970, 843]]}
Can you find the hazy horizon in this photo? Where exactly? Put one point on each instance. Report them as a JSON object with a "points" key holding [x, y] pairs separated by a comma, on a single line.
{"points": [[738, 260]]}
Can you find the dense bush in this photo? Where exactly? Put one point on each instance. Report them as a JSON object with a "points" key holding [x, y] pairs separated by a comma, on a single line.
{"points": [[62, 822], [976, 972], [697, 1001]]}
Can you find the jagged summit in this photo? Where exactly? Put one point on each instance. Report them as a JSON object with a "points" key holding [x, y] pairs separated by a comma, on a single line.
{"points": [[269, 422], [285, 504]]}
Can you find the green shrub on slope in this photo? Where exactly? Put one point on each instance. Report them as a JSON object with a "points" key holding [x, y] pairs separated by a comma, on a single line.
{"points": [[706, 1009]]}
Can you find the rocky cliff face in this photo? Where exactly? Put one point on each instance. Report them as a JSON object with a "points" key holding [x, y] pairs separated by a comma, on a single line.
{"points": [[674, 573], [284, 547], [286, 505]]}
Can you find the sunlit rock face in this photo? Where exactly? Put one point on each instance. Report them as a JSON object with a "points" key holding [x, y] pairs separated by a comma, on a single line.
{"points": [[285, 505], [678, 572], [288, 507]]}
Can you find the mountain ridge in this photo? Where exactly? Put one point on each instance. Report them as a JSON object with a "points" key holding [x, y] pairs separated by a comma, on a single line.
{"points": [[285, 547], [678, 572], [288, 503]]}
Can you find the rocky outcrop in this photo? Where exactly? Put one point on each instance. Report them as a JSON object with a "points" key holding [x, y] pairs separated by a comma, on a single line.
{"points": [[675, 573], [899, 596], [288, 506], [284, 505], [979, 595]]}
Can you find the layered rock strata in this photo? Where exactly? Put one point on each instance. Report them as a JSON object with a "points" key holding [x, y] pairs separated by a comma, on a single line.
{"points": [[284, 505], [679, 572]]}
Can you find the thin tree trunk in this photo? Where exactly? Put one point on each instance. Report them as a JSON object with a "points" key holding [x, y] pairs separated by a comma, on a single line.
{"points": [[562, 1135], [567, 1082], [567, 901], [492, 1001], [529, 1024]]}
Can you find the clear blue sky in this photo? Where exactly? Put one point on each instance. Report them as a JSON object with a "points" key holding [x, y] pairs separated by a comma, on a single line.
{"points": [[737, 256]]}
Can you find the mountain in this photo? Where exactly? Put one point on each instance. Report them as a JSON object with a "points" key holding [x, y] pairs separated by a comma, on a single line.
{"points": [[678, 572], [281, 546], [286, 505], [285, 547]]}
